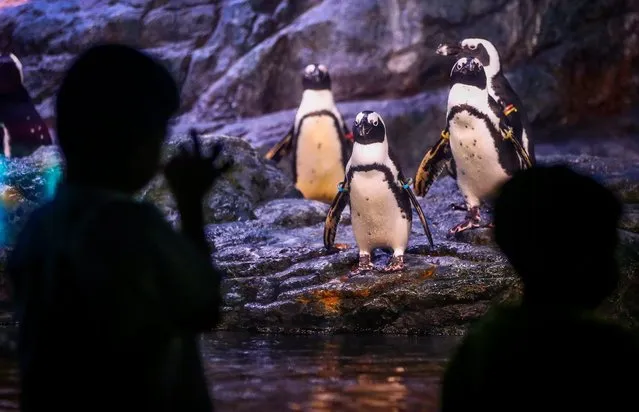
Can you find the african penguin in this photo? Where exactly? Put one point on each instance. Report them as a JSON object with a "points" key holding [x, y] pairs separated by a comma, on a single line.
{"points": [[483, 159], [498, 86], [23, 130], [380, 197], [319, 138]]}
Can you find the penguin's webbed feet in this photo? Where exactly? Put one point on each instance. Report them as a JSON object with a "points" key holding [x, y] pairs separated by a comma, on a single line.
{"points": [[396, 264], [472, 221], [364, 265]]}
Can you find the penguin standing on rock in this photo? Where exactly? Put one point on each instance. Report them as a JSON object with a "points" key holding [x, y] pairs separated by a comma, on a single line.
{"points": [[380, 197], [319, 139], [21, 127], [497, 84], [478, 135]]}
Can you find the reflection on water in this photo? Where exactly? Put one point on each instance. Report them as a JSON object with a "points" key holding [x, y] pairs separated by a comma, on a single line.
{"points": [[8, 385], [310, 373], [325, 373]]}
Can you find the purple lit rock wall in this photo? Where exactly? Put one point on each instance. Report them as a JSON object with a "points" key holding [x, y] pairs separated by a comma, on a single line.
{"points": [[570, 60]]}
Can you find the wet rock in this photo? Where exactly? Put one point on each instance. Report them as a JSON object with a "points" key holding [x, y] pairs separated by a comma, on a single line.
{"points": [[26, 183], [235, 196], [624, 303], [280, 278], [291, 213], [283, 281], [630, 219]]}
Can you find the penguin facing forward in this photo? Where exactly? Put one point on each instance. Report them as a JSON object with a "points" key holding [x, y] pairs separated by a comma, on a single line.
{"points": [[484, 155], [23, 130], [379, 196], [319, 138], [498, 86]]}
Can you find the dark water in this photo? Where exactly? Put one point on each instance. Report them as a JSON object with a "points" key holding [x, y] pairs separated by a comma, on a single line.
{"points": [[311, 373]]}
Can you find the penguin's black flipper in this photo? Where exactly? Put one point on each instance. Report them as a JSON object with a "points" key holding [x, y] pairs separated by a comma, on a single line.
{"points": [[26, 131], [347, 132], [348, 141], [418, 208], [281, 148], [451, 168], [432, 164], [511, 130], [503, 88], [334, 215]]}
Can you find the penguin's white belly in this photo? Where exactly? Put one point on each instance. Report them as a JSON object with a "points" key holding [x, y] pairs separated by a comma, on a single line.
{"points": [[319, 159], [377, 219], [479, 173]]}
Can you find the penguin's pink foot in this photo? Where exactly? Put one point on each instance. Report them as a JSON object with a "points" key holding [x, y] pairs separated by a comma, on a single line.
{"points": [[472, 221], [396, 264], [364, 265]]}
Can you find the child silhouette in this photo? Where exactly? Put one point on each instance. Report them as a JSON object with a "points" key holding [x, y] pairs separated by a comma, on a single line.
{"points": [[550, 352], [110, 298]]}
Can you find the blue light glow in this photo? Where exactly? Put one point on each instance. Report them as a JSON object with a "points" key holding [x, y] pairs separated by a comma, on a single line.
{"points": [[52, 176]]}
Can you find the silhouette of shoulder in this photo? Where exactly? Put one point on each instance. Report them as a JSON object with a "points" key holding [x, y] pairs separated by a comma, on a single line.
{"points": [[513, 351], [124, 257]]}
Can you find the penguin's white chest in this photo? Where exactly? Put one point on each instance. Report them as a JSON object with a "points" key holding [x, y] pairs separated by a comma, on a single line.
{"points": [[319, 159], [376, 217], [479, 173]]}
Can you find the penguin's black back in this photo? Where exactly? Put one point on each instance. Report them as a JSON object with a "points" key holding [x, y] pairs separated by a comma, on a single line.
{"points": [[27, 130], [505, 91], [10, 77]]}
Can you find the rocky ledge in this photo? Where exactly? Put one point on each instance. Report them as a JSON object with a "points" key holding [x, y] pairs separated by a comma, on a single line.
{"points": [[280, 279]]}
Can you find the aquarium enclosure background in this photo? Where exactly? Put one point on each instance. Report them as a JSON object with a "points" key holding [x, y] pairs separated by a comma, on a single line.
{"points": [[301, 328]]}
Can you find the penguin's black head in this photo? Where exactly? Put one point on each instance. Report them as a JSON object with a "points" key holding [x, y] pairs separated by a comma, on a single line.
{"points": [[369, 128], [468, 71], [316, 77], [480, 49], [10, 74]]}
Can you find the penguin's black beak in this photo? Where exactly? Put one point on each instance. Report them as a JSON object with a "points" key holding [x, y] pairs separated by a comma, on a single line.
{"points": [[363, 128], [449, 49]]}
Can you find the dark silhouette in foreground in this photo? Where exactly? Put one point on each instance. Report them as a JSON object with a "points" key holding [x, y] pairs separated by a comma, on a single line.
{"points": [[550, 352], [110, 298]]}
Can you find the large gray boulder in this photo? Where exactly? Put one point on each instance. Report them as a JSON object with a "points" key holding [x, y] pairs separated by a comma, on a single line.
{"points": [[250, 181]]}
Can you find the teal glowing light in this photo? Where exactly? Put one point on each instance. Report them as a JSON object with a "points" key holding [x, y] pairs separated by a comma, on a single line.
{"points": [[52, 176]]}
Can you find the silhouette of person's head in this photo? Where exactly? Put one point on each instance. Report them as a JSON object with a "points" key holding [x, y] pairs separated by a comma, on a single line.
{"points": [[113, 110], [558, 229]]}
